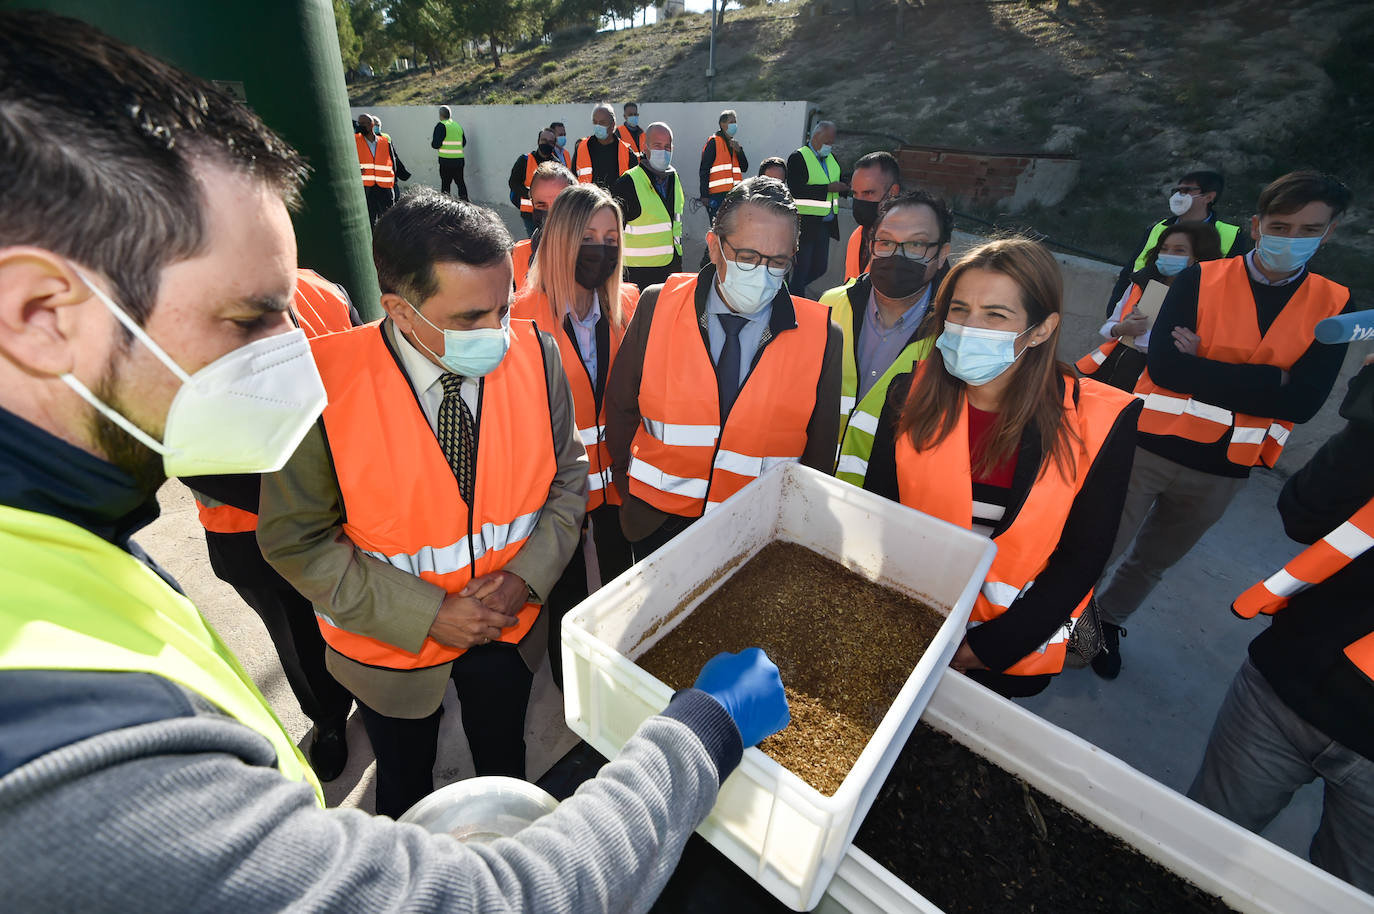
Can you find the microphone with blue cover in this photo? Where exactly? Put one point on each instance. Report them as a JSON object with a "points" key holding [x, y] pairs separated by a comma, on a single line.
{"points": [[1347, 328]]}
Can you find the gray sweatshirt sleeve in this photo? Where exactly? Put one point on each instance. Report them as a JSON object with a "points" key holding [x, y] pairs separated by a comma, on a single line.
{"points": [[184, 814]]}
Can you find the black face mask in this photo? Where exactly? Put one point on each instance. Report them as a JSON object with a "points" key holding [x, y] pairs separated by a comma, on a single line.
{"points": [[897, 276], [595, 264], [866, 212], [546, 150], [538, 217]]}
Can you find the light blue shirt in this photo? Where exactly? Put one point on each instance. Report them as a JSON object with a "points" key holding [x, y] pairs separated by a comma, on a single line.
{"points": [[1263, 280], [585, 330], [750, 335], [879, 346]]}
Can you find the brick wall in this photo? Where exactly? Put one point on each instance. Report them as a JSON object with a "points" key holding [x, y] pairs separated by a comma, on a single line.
{"points": [[965, 176]]}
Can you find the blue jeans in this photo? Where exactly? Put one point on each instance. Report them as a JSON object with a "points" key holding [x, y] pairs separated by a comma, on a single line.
{"points": [[1260, 752]]}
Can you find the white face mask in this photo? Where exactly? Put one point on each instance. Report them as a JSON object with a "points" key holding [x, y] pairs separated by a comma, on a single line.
{"points": [[1180, 203], [746, 290], [245, 412]]}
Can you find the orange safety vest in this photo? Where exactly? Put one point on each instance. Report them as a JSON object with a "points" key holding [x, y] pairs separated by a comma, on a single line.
{"points": [[320, 308], [520, 261], [725, 172], [582, 158], [851, 254], [377, 433], [1312, 566], [378, 169], [681, 461], [532, 304], [1093, 360], [531, 165], [939, 482], [628, 138], [1229, 332]]}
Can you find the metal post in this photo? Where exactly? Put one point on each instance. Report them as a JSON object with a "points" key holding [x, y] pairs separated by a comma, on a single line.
{"points": [[711, 60]]}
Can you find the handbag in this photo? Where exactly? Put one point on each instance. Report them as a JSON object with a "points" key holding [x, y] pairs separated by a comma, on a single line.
{"points": [[1085, 637]]}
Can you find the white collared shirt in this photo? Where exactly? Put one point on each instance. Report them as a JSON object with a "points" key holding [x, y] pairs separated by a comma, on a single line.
{"points": [[424, 377]]}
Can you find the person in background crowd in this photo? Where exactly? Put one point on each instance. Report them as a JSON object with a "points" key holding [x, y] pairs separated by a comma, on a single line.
{"points": [[560, 133], [882, 315], [1301, 706], [602, 157], [474, 413], [629, 132], [1192, 199], [774, 167], [227, 506], [813, 177], [998, 437], [142, 770], [723, 163], [380, 164], [575, 292], [1180, 246], [522, 173], [449, 139], [721, 375], [651, 198], [1233, 365], [876, 177], [548, 182]]}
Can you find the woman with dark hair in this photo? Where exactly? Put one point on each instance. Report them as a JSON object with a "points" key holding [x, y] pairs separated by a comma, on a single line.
{"points": [[573, 291], [1180, 246], [992, 433]]}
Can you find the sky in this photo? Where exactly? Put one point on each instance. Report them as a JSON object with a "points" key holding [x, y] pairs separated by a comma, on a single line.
{"points": [[693, 6]]}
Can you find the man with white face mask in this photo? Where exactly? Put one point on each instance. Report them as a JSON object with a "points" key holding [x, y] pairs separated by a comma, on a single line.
{"points": [[650, 197], [139, 764], [721, 375]]}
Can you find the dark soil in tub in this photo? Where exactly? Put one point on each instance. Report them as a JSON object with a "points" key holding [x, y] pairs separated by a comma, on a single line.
{"points": [[973, 838], [843, 644]]}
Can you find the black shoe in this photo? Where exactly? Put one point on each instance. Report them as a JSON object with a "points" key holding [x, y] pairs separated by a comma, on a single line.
{"points": [[328, 752], [1107, 663]]}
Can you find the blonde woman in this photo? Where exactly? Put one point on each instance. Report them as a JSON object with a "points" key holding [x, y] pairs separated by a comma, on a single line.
{"points": [[574, 292]]}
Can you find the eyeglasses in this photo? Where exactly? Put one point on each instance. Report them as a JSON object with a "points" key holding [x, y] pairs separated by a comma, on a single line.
{"points": [[748, 259], [1190, 191], [919, 251]]}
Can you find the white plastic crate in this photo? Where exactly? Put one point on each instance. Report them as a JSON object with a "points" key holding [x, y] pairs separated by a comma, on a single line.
{"points": [[1250, 874], [768, 821]]}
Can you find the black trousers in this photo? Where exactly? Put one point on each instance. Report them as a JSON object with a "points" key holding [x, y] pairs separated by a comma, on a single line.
{"points": [[612, 558], [813, 259], [649, 276], [670, 528], [290, 622], [493, 686], [379, 200], [451, 172]]}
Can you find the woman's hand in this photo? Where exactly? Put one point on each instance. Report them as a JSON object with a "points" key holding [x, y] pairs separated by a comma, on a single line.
{"points": [[1133, 325], [1185, 340]]}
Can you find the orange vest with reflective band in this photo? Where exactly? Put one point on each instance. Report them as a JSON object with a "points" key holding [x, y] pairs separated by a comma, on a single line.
{"points": [[532, 304], [378, 169], [582, 158], [725, 173], [531, 165], [939, 482], [520, 262], [681, 461], [1312, 566], [1093, 360], [1228, 331], [319, 309], [852, 270], [378, 434], [628, 138]]}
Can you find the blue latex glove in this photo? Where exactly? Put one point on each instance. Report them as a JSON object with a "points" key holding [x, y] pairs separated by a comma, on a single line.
{"points": [[748, 686]]}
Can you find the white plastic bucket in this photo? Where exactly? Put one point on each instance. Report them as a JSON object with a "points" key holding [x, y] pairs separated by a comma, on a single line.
{"points": [[479, 810]]}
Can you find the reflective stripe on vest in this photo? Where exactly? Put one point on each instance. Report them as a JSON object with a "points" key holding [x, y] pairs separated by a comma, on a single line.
{"points": [[1089, 364], [1226, 233], [1312, 566], [377, 432], [681, 461], [531, 165], [654, 237], [821, 176], [1228, 332], [582, 158], [532, 304], [859, 419], [76, 602], [451, 147], [851, 254], [725, 172], [939, 481], [377, 168]]}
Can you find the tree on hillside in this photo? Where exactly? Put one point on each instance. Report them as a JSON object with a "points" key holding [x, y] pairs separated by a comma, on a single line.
{"points": [[350, 45], [427, 26], [498, 21]]}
